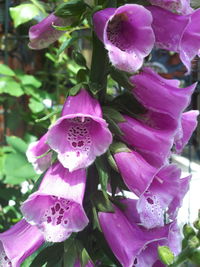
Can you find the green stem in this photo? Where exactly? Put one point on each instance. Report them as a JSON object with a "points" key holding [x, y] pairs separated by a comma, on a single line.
{"points": [[99, 69], [183, 256]]}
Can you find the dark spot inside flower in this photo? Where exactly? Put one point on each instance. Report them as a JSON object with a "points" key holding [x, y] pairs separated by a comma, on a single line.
{"points": [[74, 144], [53, 210], [135, 261], [49, 219], [5, 258], [57, 207], [150, 200], [80, 143], [61, 211], [65, 221], [59, 219]]}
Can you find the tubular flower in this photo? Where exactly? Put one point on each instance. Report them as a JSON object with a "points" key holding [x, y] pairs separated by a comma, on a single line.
{"points": [[56, 208], [180, 6], [136, 172], [126, 33], [128, 241], [18, 243], [43, 34], [153, 144], [166, 191], [81, 133], [161, 95], [184, 36], [34, 154], [149, 255], [188, 125]]}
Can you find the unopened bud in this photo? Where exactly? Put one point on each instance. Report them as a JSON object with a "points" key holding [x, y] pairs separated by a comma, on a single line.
{"points": [[188, 231], [165, 255]]}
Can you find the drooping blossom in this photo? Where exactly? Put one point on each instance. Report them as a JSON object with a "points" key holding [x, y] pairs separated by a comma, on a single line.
{"points": [[162, 97], [43, 34], [56, 208], [37, 154], [126, 33], [136, 172], [129, 242], [165, 194], [18, 243], [183, 36], [188, 125], [81, 133], [152, 144], [149, 255], [180, 6]]}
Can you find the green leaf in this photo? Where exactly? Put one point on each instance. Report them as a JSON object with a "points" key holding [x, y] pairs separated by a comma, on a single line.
{"points": [[82, 76], [17, 143], [23, 13], [113, 126], [67, 43], [122, 78], [70, 252], [102, 202], [29, 80], [103, 172], [10, 86], [119, 147], [79, 58], [111, 161], [71, 8], [35, 106], [50, 255], [17, 169], [5, 70], [75, 89], [165, 255], [113, 114]]}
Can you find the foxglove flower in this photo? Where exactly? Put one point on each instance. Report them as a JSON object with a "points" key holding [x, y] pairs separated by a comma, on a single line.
{"points": [[166, 191], [136, 172], [37, 154], [162, 96], [188, 125], [127, 35], [56, 208], [184, 34], [128, 241], [150, 255], [180, 6], [153, 144], [18, 243], [81, 133], [43, 34]]}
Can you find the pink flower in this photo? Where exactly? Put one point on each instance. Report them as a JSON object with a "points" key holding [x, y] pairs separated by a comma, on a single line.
{"points": [[183, 36], [126, 33], [34, 154], [56, 208], [43, 34], [180, 6], [81, 133], [188, 125], [18, 243]]}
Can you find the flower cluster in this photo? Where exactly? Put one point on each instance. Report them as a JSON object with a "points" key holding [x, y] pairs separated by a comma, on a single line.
{"points": [[81, 134]]}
